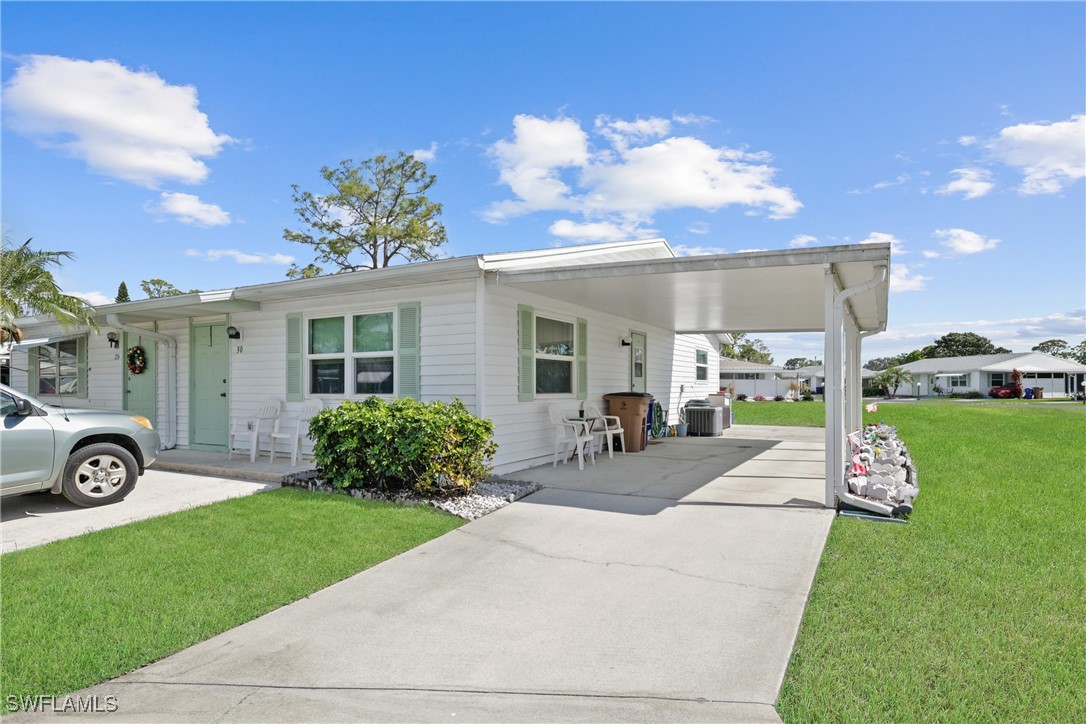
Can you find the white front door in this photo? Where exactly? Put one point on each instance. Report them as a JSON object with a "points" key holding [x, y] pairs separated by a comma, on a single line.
{"points": [[638, 361]]}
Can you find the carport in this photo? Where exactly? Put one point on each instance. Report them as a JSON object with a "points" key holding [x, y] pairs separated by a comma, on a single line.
{"points": [[838, 290]]}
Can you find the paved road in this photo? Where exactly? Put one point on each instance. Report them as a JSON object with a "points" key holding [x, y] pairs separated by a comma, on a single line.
{"points": [[663, 586]]}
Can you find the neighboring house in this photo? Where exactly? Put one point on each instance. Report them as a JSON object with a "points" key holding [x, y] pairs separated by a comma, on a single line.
{"points": [[751, 378], [1058, 377], [506, 333], [815, 376]]}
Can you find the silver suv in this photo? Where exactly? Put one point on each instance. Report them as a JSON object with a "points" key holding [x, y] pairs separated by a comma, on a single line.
{"points": [[93, 457]]}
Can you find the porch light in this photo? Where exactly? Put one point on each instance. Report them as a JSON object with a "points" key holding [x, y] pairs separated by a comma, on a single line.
{"points": [[233, 333], [114, 340]]}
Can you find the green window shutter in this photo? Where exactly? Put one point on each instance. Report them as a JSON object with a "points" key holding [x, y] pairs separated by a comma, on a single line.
{"points": [[32, 371], [582, 358], [295, 363], [409, 350], [81, 374], [526, 332]]}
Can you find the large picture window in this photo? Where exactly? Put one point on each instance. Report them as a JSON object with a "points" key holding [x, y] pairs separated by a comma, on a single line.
{"points": [[554, 356], [361, 346], [58, 368]]}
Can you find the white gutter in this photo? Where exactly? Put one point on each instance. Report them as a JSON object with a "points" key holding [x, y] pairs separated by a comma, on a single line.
{"points": [[834, 386], [170, 439]]}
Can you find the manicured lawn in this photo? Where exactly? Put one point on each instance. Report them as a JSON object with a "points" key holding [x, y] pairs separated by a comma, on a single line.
{"points": [[79, 611], [974, 610]]}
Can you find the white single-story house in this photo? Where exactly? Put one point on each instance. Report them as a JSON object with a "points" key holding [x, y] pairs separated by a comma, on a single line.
{"points": [[1058, 377], [506, 333], [815, 375], [751, 378]]}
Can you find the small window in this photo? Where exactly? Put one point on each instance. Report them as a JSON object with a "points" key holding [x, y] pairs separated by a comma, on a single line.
{"points": [[998, 379], [701, 365], [374, 364], [958, 381], [326, 356], [58, 368], [554, 356]]}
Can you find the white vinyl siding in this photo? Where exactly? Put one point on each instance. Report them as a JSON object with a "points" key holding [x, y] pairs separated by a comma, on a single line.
{"points": [[523, 431]]}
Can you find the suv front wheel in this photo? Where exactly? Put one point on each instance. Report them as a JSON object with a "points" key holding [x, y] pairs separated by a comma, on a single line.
{"points": [[99, 474]]}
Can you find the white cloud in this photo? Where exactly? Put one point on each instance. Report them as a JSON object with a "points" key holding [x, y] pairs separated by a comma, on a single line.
{"points": [[189, 209], [93, 298], [967, 140], [130, 125], [963, 241], [1050, 155], [1019, 334], [638, 171], [972, 183], [426, 154], [904, 280], [800, 241], [896, 244], [929, 254], [692, 119], [593, 231], [622, 133], [700, 228], [241, 257], [684, 250]]}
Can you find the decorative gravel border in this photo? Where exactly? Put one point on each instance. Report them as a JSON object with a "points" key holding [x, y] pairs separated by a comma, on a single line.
{"points": [[485, 497]]}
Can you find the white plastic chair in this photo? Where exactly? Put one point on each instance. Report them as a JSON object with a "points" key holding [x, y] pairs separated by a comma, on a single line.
{"points": [[261, 423], [573, 432], [297, 430], [611, 427]]}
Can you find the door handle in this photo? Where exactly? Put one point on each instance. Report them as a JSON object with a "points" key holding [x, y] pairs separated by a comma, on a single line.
{"points": [[222, 394]]}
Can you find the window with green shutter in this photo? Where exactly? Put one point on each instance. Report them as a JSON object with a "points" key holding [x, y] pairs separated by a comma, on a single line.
{"points": [[553, 355]]}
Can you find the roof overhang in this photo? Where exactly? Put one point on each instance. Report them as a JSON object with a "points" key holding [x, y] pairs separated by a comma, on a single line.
{"points": [[769, 291], [250, 299]]}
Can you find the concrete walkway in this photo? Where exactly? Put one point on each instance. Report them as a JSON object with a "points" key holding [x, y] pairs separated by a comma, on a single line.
{"points": [[31, 520], [662, 586]]}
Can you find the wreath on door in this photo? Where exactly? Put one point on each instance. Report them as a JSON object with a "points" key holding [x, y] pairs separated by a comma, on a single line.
{"points": [[137, 360]]}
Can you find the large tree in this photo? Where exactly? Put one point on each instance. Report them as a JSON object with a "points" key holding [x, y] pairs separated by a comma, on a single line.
{"points": [[962, 344], [751, 350], [1078, 352], [27, 287], [1055, 347], [122, 294], [372, 213], [794, 363], [157, 288]]}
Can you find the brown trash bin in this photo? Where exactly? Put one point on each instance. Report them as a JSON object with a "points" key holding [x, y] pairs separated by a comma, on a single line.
{"points": [[632, 410], [1038, 393]]}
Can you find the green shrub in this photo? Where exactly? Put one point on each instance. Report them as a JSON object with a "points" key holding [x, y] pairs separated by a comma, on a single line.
{"points": [[431, 449], [872, 392], [970, 395]]}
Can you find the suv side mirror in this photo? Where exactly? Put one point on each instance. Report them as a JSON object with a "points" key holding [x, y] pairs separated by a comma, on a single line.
{"points": [[22, 407]]}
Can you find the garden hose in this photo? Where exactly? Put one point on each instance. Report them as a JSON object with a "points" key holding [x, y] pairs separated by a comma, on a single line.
{"points": [[659, 425]]}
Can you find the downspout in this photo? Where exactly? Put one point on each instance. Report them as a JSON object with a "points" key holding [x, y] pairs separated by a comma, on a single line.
{"points": [[480, 344], [839, 469], [170, 439]]}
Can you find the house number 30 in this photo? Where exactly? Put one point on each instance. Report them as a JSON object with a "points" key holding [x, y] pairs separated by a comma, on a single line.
{"points": [[239, 348]]}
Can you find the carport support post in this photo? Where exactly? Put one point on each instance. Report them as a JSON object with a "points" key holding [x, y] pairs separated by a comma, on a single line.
{"points": [[832, 382], [853, 395]]}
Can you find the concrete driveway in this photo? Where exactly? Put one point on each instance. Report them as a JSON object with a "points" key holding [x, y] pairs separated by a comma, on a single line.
{"points": [[662, 586], [31, 520]]}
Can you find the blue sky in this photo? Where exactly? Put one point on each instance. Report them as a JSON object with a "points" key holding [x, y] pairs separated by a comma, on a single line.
{"points": [[162, 139]]}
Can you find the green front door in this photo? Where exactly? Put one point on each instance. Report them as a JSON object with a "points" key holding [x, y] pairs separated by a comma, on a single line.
{"points": [[209, 406], [141, 390]]}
